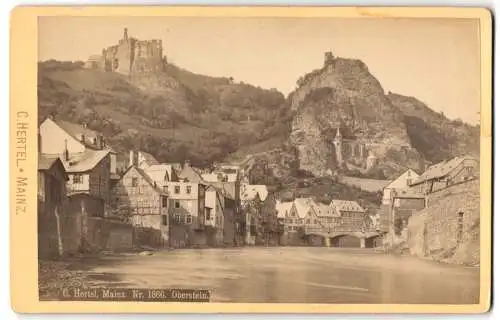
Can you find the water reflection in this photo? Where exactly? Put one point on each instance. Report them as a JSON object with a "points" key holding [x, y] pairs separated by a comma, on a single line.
{"points": [[308, 275]]}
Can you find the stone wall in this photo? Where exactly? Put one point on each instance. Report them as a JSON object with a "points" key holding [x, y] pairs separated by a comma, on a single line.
{"points": [[448, 229], [104, 234]]}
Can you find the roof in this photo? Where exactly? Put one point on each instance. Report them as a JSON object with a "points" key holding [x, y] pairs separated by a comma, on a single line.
{"points": [[147, 178], [218, 176], [408, 173], [158, 172], [46, 162], [346, 205], [250, 191], [441, 169], [76, 130], [149, 158], [190, 174], [321, 210], [84, 161], [303, 205], [283, 208]]}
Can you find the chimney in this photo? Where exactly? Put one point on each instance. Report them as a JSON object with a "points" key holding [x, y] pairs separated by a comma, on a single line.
{"points": [[82, 138], [100, 141], [66, 152]]}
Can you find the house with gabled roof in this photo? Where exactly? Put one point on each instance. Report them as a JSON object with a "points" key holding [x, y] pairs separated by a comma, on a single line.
{"points": [[404, 181], [138, 200], [259, 208], [60, 137], [141, 159], [351, 217], [446, 173]]}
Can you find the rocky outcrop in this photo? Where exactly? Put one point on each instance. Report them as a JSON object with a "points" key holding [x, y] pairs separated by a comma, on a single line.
{"points": [[344, 95], [448, 229]]}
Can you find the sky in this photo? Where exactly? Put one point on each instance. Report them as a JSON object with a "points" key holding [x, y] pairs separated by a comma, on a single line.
{"points": [[434, 60]]}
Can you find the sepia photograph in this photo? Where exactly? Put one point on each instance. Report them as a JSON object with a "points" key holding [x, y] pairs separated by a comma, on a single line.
{"points": [[259, 159]]}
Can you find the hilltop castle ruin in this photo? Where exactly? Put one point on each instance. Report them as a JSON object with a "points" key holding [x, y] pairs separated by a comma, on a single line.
{"points": [[130, 56]]}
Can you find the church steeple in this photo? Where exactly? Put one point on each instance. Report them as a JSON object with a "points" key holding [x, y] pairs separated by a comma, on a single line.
{"points": [[337, 142], [338, 136]]}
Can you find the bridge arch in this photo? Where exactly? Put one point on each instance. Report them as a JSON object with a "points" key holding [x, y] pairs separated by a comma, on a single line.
{"points": [[316, 239], [374, 241], [346, 240]]}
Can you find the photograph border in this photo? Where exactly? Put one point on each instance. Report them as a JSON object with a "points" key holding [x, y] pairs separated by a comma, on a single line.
{"points": [[23, 163]]}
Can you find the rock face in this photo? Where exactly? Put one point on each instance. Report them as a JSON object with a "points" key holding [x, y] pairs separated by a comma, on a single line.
{"points": [[344, 98]]}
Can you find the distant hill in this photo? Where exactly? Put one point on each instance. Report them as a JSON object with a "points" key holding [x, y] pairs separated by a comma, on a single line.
{"points": [[433, 135], [174, 115]]}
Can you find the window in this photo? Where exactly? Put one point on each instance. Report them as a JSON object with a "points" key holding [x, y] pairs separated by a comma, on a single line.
{"points": [[135, 182], [177, 189], [292, 213], [77, 178], [164, 220], [164, 202], [188, 189], [177, 218], [408, 181], [208, 213], [308, 221], [189, 219], [177, 204]]}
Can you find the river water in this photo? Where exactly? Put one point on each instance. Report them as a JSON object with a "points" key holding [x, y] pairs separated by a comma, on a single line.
{"points": [[288, 274]]}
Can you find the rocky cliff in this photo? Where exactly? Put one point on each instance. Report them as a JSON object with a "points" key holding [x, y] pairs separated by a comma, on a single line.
{"points": [[344, 96]]}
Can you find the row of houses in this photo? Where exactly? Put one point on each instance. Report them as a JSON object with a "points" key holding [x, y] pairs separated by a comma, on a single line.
{"points": [[304, 218], [410, 192], [167, 204]]}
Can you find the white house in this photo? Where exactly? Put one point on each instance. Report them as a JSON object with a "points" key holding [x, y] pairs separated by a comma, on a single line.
{"points": [[58, 137], [400, 183]]}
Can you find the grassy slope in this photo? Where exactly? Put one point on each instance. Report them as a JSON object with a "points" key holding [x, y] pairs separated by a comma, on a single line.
{"points": [[190, 116]]}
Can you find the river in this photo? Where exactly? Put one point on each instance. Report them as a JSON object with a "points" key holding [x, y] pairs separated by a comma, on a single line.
{"points": [[293, 274]]}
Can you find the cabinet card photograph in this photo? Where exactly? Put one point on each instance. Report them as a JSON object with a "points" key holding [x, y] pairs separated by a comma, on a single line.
{"points": [[251, 159]]}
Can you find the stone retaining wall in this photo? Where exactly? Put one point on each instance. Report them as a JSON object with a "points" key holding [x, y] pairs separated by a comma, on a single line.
{"points": [[448, 229]]}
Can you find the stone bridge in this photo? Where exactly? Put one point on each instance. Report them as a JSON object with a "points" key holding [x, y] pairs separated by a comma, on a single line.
{"points": [[338, 236]]}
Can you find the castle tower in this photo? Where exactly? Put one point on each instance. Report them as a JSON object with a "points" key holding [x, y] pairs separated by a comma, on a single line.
{"points": [[328, 57], [337, 142]]}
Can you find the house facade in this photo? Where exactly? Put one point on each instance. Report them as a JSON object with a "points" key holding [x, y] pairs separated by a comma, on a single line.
{"points": [[404, 181], [350, 216], [137, 200], [59, 136]]}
